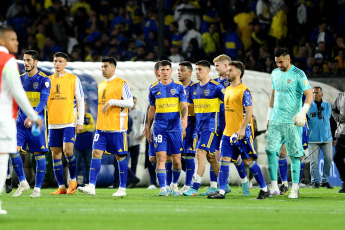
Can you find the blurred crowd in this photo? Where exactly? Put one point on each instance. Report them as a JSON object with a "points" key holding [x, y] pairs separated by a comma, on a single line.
{"points": [[246, 30]]}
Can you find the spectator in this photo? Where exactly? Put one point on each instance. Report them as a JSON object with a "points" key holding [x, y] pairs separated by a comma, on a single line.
{"points": [[175, 55], [341, 59], [15, 8], [186, 11], [279, 27], [321, 48], [263, 14], [211, 42], [310, 64], [243, 21], [194, 53], [83, 145], [211, 15], [150, 24], [190, 34], [232, 43], [176, 37], [320, 137], [275, 6], [332, 68], [258, 38], [135, 15], [322, 34], [122, 17], [319, 61], [80, 4]]}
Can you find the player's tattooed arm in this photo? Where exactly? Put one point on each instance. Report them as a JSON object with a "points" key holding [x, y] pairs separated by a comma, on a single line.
{"points": [[184, 114]]}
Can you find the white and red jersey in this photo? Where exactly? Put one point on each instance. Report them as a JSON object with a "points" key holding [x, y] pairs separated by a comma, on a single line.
{"points": [[11, 90]]}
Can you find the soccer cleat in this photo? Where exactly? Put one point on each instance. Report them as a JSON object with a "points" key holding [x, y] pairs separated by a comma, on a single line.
{"points": [[293, 194], [163, 192], [152, 186], [228, 189], [274, 192], [2, 212], [283, 189], [88, 189], [245, 189], [59, 191], [8, 185], [217, 195], [72, 187], [326, 185], [168, 190], [342, 189], [210, 191], [262, 194], [174, 191], [315, 185], [184, 189], [35, 193], [22, 187], [191, 192], [121, 192]]}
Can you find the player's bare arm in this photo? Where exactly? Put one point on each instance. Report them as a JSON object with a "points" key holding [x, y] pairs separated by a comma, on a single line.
{"points": [[150, 118]]}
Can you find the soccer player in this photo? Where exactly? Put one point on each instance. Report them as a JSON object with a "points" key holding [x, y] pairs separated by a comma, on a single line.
{"points": [[114, 99], [286, 117], [169, 109], [10, 93], [184, 76], [62, 123], [37, 87], [238, 132], [221, 64], [206, 96]]}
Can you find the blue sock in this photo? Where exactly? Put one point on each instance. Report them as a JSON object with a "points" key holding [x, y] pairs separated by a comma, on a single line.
{"points": [[241, 169], [184, 163], [301, 172], [72, 166], [175, 175], [40, 169], [8, 168], [154, 165], [213, 177], [168, 166], [255, 169], [123, 171], [190, 170], [95, 167], [161, 175], [283, 168], [58, 171], [18, 166], [223, 174], [196, 185]]}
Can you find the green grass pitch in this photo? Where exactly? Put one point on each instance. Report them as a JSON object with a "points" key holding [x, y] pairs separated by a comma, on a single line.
{"points": [[143, 209]]}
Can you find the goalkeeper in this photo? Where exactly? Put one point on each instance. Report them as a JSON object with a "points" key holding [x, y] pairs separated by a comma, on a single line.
{"points": [[286, 117]]}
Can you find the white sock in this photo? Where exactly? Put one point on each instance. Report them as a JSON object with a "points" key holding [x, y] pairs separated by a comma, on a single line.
{"points": [[23, 182], [244, 180], [37, 189], [213, 184], [3, 170], [62, 186], [264, 189], [92, 185], [75, 179], [198, 178], [295, 186], [285, 183], [274, 185], [173, 185], [221, 191]]}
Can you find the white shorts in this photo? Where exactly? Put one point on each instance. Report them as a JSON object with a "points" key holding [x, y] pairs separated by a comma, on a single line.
{"points": [[8, 136]]}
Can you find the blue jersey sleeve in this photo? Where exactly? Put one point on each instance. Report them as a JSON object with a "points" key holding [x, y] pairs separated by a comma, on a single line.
{"points": [[45, 91], [190, 96], [220, 92], [151, 98], [247, 98], [182, 94]]}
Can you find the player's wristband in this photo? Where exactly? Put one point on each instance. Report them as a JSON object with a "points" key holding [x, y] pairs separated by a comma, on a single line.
{"points": [[269, 113], [305, 108]]}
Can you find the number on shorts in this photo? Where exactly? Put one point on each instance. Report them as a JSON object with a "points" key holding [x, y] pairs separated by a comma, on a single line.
{"points": [[158, 139], [96, 137]]}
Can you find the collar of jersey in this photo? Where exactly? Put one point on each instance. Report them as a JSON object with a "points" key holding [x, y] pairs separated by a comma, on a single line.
{"points": [[110, 79], [3, 49]]}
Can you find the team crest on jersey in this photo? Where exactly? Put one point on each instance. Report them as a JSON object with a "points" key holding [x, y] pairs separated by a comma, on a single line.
{"points": [[207, 92], [226, 83], [156, 145], [289, 81], [173, 91], [35, 85], [46, 84]]}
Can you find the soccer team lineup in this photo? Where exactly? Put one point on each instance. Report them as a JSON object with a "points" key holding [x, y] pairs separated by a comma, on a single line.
{"points": [[186, 124]]}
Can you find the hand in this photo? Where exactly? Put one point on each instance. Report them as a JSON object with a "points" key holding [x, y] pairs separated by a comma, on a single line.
{"points": [[39, 123], [140, 138], [148, 136], [79, 128], [105, 107], [28, 123], [240, 134], [299, 119], [183, 124], [334, 142], [184, 133]]}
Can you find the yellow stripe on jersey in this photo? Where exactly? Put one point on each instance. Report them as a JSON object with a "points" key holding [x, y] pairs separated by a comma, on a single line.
{"points": [[125, 145], [34, 98], [204, 105], [167, 105], [210, 140]]}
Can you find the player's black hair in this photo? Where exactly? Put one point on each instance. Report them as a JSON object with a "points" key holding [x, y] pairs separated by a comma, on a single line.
{"points": [[204, 63], [156, 67], [238, 65], [281, 52], [164, 63], [111, 60], [33, 53], [317, 87], [61, 54], [187, 64]]}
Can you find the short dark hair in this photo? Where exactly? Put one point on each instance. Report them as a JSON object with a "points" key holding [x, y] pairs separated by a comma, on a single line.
{"points": [[281, 52], [33, 53], [204, 63], [156, 67], [3, 30], [164, 63], [111, 60], [187, 64], [317, 87], [61, 54], [238, 65]]}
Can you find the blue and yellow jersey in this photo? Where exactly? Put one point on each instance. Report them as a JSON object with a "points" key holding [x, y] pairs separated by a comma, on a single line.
{"points": [[206, 100], [37, 89], [225, 83], [166, 99], [236, 100]]}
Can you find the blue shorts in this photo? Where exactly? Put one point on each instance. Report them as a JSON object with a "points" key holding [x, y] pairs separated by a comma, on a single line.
{"points": [[36, 144], [305, 137], [220, 134], [152, 152], [111, 142], [189, 141], [207, 141], [169, 142], [59, 136], [244, 147]]}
